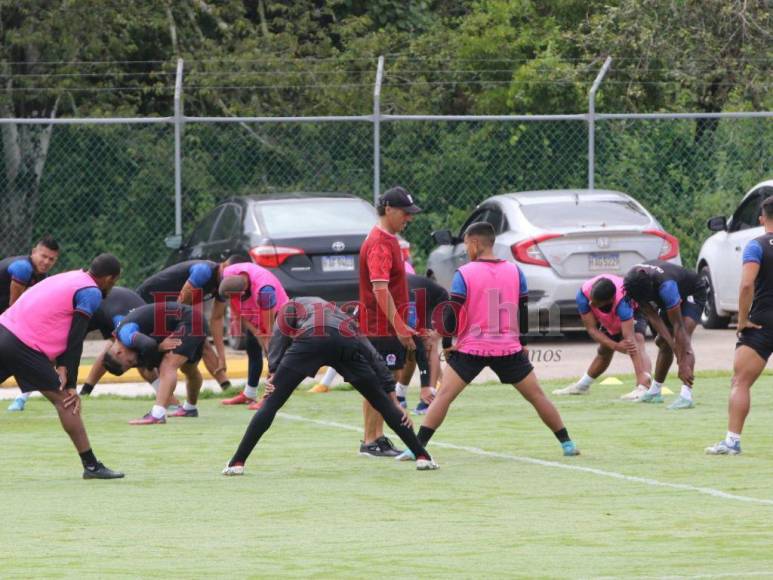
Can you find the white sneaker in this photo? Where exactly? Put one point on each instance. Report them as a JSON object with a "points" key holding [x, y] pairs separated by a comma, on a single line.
{"points": [[426, 464], [635, 394], [233, 470], [574, 389]]}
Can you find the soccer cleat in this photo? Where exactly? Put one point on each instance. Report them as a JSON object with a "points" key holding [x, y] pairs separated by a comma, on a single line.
{"points": [[681, 403], [574, 389], [635, 394], [99, 471], [257, 404], [650, 398], [233, 470], [319, 388], [421, 408], [240, 399], [18, 404], [148, 419], [722, 448], [381, 447], [406, 455], [570, 449], [426, 464], [181, 412]]}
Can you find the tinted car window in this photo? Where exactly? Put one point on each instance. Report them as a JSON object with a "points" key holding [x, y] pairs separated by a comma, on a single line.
{"points": [[318, 217], [203, 231], [746, 216], [586, 213], [477, 216], [229, 221]]}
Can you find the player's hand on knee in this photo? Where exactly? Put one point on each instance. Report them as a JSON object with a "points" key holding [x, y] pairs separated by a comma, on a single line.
{"points": [[62, 373], [169, 343], [72, 401], [427, 394], [406, 420]]}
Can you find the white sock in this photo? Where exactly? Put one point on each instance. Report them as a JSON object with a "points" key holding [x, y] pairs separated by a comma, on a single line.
{"points": [[188, 407], [586, 381], [251, 392], [158, 412], [686, 393], [24, 396], [400, 389], [330, 375], [655, 388], [732, 439], [155, 385]]}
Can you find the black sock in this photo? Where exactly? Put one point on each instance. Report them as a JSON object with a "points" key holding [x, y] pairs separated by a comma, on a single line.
{"points": [[88, 459], [86, 389], [225, 385], [425, 434], [562, 435]]}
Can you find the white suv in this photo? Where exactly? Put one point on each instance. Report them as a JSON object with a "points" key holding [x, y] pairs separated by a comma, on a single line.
{"points": [[719, 260]]}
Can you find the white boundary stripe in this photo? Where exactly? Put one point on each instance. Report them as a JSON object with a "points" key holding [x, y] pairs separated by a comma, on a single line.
{"points": [[530, 460]]}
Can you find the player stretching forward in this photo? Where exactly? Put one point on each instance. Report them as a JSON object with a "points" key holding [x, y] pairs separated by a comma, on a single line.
{"points": [[755, 330], [486, 342], [613, 322]]}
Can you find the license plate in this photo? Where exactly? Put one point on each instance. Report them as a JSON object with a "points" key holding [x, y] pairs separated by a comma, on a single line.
{"points": [[602, 262], [338, 263]]}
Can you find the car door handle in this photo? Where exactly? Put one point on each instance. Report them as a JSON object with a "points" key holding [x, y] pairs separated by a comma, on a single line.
{"points": [[738, 248]]}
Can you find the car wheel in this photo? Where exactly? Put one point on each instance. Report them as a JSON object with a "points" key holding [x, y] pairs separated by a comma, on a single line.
{"points": [[235, 342], [710, 319]]}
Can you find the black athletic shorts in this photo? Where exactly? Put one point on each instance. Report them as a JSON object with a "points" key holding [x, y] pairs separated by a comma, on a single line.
{"points": [[511, 369], [758, 339], [639, 327], [353, 357], [691, 308], [191, 347], [31, 368], [391, 350]]}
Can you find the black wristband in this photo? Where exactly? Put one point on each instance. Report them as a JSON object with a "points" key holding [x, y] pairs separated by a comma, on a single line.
{"points": [[87, 388]]}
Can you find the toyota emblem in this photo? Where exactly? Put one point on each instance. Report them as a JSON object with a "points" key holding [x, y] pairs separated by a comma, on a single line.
{"points": [[338, 246]]}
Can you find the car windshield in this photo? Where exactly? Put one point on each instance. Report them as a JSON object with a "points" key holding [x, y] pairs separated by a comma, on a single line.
{"points": [[289, 218], [585, 214]]}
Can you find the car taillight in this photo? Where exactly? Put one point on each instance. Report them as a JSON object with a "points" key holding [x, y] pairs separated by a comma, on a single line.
{"points": [[670, 247], [272, 256], [528, 252]]}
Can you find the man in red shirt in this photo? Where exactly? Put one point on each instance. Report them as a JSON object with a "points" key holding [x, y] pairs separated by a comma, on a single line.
{"points": [[384, 303]]}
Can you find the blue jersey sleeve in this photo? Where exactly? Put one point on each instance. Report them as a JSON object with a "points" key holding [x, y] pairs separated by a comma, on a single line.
{"points": [[583, 304], [669, 294], [624, 310], [267, 297], [21, 271], [523, 286], [126, 333], [752, 252], [117, 319], [87, 300], [458, 286], [199, 274]]}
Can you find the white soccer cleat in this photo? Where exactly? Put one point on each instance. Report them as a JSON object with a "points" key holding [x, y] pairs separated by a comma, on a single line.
{"points": [[426, 464], [574, 389], [635, 394], [233, 470]]}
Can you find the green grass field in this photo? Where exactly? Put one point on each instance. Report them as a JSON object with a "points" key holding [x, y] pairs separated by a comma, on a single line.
{"points": [[309, 505]]}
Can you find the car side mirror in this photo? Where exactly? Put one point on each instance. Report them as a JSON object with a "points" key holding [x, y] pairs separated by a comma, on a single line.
{"points": [[173, 242], [717, 224], [443, 238]]}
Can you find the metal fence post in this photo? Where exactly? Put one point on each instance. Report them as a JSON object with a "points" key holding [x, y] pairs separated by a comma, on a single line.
{"points": [[592, 123], [178, 125], [377, 130]]}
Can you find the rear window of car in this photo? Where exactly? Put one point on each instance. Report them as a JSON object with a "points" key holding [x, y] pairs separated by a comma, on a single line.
{"points": [[585, 214], [315, 217]]}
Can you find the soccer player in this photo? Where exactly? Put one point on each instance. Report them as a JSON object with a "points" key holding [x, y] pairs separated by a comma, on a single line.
{"points": [[755, 330], [18, 273], [106, 319], [255, 295], [384, 303], [167, 336], [679, 295], [613, 322], [310, 333], [41, 341], [481, 287], [193, 282]]}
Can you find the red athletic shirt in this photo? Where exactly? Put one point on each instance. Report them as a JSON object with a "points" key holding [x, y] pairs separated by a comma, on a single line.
{"points": [[381, 260]]}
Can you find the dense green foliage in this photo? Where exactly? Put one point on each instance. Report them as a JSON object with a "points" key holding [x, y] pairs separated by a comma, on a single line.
{"points": [[111, 187]]}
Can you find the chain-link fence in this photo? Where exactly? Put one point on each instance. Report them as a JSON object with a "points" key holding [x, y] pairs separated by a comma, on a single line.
{"points": [[110, 187]]}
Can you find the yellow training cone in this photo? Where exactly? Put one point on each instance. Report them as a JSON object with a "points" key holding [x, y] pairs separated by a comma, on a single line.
{"points": [[666, 391], [611, 381]]}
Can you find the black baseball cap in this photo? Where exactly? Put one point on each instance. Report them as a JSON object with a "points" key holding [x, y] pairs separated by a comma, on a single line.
{"points": [[398, 197]]}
